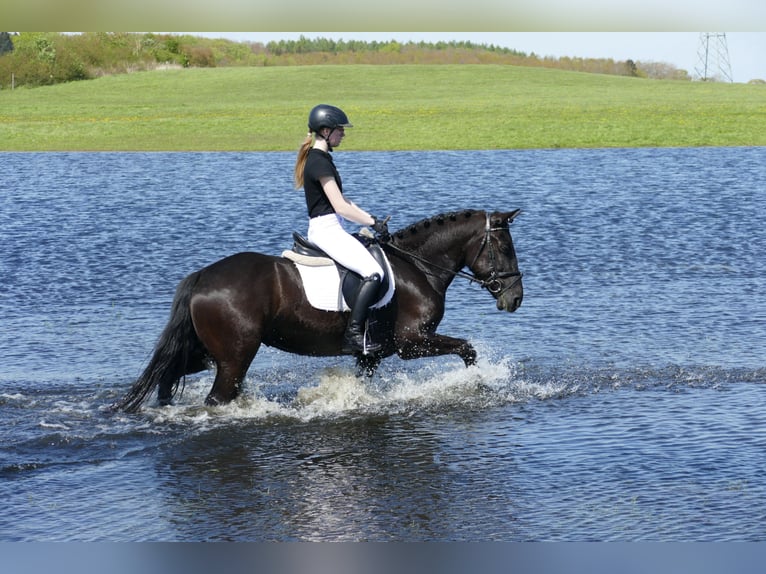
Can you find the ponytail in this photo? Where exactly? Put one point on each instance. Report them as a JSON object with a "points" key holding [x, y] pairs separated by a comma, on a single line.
{"points": [[300, 163]]}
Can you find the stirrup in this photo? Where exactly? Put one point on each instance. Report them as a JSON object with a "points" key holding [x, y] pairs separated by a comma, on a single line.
{"points": [[355, 340]]}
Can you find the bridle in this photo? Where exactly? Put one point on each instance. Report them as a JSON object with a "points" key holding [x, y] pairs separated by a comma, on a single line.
{"points": [[493, 283]]}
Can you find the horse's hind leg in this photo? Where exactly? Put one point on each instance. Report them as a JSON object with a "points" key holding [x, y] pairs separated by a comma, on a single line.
{"points": [[231, 340], [232, 354], [228, 380], [167, 388]]}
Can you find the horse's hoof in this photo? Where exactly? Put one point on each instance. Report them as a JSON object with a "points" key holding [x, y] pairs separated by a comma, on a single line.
{"points": [[165, 402], [213, 401]]}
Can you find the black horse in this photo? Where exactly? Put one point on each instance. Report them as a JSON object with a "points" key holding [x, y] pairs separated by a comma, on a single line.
{"points": [[223, 313]]}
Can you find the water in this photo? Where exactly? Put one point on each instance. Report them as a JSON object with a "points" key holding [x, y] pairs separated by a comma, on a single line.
{"points": [[622, 401]]}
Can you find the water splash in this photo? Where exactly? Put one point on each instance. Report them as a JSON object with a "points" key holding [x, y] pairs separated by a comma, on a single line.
{"points": [[336, 392], [304, 394]]}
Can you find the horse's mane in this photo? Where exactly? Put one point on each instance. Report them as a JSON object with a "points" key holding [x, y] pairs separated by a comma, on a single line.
{"points": [[417, 228]]}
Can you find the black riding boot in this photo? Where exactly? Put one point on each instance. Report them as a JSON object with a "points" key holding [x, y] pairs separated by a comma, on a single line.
{"points": [[353, 340]]}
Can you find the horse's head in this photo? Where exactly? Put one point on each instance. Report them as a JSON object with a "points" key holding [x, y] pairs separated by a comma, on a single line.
{"points": [[443, 245], [493, 260]]}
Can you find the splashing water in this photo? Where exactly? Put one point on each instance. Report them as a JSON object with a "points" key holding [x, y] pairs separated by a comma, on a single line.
{"points": [[339, 393]]}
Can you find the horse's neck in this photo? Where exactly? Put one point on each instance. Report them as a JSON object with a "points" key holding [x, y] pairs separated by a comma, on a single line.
{"points": [[444, 247], [448, 249]]}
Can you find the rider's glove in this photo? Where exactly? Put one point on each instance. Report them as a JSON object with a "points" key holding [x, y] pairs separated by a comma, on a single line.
{"points": [[380, 227]]}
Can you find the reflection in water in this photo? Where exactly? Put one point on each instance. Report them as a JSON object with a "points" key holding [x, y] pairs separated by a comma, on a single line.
{"points": [[330, 481], [413, 461]]}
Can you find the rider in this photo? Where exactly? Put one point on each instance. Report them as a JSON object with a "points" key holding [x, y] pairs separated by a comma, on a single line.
{"points": [[328, 207]]}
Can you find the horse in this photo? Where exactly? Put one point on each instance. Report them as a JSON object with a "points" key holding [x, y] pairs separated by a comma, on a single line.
{"points": [[223, 313]]}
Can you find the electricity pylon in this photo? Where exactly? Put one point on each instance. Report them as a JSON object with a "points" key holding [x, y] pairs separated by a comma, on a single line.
{"points": [[713, 56]]}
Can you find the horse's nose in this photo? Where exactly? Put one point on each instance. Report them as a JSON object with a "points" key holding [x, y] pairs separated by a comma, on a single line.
{"points": [[509, 305]]}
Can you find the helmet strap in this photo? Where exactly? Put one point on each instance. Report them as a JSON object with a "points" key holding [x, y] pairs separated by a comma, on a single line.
{"points": [[327, 139], [319, 137]]}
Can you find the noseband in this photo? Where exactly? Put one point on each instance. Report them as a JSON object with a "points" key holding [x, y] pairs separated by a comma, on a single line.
{"points": [[493, 283]]}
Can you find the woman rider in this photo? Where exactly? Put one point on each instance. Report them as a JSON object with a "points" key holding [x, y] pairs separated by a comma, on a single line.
{"points": [[328, 207]]}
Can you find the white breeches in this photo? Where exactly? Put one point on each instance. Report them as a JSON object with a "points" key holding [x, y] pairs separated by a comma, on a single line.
{"points": [[326, 231]]}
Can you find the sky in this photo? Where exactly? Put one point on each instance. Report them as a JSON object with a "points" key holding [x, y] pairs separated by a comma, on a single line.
{"points": [[746, 50]]}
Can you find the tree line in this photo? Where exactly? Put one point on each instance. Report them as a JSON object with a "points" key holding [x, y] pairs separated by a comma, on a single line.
{"points": [[43, 58]]}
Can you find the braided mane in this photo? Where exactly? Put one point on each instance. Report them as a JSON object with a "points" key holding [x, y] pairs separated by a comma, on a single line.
{"points": [[441, 219]]}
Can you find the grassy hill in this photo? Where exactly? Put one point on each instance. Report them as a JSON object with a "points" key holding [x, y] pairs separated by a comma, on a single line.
{"points": [[392, 107]]}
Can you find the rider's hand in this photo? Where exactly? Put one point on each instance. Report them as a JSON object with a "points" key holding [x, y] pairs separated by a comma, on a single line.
{"points": [[380, 227]]}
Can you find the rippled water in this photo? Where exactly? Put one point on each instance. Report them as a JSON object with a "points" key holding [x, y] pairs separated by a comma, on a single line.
{"points": [[622, 401]]}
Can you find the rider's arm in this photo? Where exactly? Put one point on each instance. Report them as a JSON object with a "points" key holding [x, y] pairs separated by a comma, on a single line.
{"points": [[342, 206]]}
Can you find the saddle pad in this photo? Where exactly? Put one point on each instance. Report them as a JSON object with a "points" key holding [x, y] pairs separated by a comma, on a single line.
{"points": [[308, 260], [321, 283]]}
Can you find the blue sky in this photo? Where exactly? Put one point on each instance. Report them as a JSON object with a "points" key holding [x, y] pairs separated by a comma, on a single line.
{"points": [[747, 50]]}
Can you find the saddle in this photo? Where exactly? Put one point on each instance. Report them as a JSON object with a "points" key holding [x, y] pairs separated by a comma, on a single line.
{"points": [[310, 255]]}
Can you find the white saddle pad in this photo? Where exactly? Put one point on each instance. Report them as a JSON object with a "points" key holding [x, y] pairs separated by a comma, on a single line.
{"points": [[321, 282]]}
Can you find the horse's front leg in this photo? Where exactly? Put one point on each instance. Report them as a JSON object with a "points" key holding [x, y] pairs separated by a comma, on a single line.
{"points": [[366, 365], [434, 345]]}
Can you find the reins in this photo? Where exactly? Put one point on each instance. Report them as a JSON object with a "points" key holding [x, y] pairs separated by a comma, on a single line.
{"points": [[493, 283]]}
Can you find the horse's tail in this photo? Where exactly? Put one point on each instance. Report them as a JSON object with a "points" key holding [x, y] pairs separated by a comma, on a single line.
{"points": [[178, 352]]}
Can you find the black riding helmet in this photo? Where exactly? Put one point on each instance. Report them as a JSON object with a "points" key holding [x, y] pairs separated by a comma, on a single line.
{"points": [[326, 116]]}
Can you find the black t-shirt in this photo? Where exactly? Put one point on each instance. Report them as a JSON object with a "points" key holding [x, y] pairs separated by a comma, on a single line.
{"points": [[319, 164]]}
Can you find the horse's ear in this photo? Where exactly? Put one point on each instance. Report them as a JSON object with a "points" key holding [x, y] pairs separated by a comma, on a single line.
{"points": [[505, 218]]}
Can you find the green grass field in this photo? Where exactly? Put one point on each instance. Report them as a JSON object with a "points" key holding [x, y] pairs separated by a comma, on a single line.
{"points": [[393, 107]]}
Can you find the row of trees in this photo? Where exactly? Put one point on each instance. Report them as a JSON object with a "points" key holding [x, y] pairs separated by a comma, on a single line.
{"points": [[306, 45], [36, 59]]}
